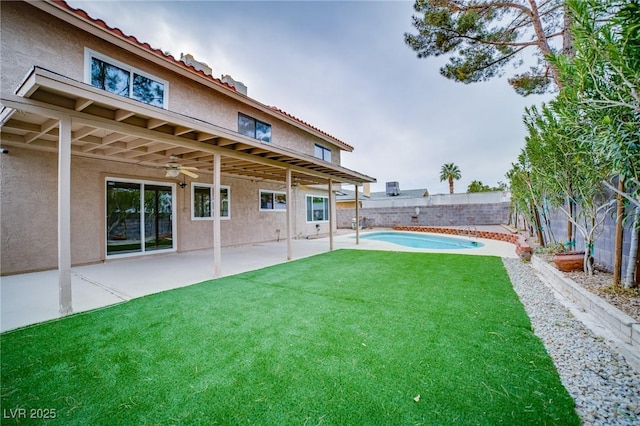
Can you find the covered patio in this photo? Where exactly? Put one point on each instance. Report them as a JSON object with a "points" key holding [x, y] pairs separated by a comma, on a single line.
{"points": [[53, 113]]}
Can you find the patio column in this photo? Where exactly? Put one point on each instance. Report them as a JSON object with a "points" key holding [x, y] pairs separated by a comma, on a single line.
{"points": [[357, 217], [64, 216], [217, 255], [331, 213], [289, 215]]}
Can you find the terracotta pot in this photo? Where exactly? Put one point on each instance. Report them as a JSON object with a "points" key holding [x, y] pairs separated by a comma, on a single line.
{"points": [[569, 261]]}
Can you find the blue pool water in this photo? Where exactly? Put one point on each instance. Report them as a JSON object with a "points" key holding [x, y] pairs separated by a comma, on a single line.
{"points": [[426, 241]]}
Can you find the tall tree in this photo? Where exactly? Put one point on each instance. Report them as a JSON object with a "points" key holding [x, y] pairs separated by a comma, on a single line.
{"points": [[603, 86], [483, 36], [478, 186], [603, 82], [449, 172]]}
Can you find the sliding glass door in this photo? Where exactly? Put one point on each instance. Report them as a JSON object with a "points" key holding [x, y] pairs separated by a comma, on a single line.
{"points": [[158, 226], [137, 209]]}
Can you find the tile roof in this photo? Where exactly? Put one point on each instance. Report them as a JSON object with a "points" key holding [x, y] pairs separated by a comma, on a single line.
{"points": [[118, 32], [132, 39], [309, 125]]}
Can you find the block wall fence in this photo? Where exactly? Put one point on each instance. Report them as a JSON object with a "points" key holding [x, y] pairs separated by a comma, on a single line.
{"points": [[440, 215]]}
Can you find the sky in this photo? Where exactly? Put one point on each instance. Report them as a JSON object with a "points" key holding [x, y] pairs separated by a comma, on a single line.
{"points": [[343, 67]]}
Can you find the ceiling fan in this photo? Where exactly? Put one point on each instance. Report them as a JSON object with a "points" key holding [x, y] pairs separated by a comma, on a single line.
{"points": [[174, 169]]}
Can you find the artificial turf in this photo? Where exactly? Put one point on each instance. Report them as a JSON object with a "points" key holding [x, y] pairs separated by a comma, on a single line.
{"points": [[347, 337]]}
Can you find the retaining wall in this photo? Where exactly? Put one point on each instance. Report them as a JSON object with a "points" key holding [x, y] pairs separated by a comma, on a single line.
{"points": [[624, 327], [604, 247]]}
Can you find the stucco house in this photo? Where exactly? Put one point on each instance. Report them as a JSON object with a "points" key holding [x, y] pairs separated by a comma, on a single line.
{"points": [[112, 148]]}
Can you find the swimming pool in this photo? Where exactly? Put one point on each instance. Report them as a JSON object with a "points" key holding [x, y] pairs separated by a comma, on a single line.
{"points": [[425, 241]]}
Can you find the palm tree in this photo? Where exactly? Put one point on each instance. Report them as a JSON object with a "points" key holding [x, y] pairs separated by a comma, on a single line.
{"points": [[450, 172]]}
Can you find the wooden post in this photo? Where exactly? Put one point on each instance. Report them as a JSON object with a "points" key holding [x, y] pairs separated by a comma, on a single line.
{"points": [[217, 245], [64, 216], [330, 215], [289, 215], [357, 217]]}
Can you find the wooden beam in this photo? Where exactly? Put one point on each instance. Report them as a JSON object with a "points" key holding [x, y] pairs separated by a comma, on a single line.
{"points": [[136, 143], [22, 125], [113, 137], [82, 103], [225, 142], [44, 128], [180, 130], [83, 132], [202, 137], [122, 114], [153, 123]]}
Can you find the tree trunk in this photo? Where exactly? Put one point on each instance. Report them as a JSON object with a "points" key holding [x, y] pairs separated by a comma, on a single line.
{"points": [[617, 252], [637, 264], [450, 185], [542, 41], [588, 251], [585, 263], [570, 231], [536, 219], [567, 37], [629, 280]]}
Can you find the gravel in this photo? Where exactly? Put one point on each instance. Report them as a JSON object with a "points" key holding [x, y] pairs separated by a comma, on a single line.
{"points": [[605, 388]]}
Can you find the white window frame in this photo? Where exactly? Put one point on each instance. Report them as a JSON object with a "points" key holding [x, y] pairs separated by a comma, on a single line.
{"points": [[90, 54], [174, 222], [274, 193], [306, 207], [211, 187]]}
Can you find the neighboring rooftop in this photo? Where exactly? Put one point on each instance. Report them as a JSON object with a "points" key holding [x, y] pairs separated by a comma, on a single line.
{"points": [[349, 195]]}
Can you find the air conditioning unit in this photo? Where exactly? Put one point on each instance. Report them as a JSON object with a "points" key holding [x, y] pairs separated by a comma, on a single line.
{"points": [[393, 189]]}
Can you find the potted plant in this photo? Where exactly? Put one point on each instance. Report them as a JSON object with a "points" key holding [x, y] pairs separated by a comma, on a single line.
{"points": [[568, 261]]}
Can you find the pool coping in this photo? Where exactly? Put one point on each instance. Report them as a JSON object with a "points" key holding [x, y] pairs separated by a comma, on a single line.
{"points": [[522, 247]]}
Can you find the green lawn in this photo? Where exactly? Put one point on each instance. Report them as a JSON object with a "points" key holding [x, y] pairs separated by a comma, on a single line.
{"points": [[347, 337]]}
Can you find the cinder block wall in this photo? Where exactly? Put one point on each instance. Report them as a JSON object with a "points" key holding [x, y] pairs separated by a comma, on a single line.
{"points": [[605, 243], [447, 215]]}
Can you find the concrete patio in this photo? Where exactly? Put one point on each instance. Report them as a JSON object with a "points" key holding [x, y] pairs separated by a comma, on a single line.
{"points": [[32, 298]]}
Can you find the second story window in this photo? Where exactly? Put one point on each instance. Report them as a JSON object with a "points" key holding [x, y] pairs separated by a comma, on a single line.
{"points": [[253, 128], [322, 153], [115, 77]]}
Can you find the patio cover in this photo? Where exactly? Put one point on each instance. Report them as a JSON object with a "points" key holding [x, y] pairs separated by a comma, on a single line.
{"points": [[59, 114]]}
